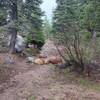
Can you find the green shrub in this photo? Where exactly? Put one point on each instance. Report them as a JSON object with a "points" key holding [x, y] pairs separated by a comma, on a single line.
{"points": [[31, 98], [39, 37], [32, 51], [29, 38]]}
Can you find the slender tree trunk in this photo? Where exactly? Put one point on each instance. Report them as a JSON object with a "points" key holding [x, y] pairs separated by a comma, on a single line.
{"points": [[13, 29], [94, 35], [93, 43]]}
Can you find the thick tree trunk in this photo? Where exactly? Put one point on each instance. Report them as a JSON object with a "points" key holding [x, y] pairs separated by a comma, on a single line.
{"points": [[13, 29], [12, 41]]}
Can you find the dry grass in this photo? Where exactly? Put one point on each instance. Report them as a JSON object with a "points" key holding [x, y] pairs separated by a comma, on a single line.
{"points": [[4, 73], [72, 77]]}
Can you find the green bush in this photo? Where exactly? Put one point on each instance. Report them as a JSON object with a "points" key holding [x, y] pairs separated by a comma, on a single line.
{"points": [[39, 37], [32, 51], [29, 38]]}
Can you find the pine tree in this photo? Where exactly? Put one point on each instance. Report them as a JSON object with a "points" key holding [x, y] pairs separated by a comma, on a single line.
{"points": [[65, 25], [10, 7], [32, 21], [47, 28], [2, 15], [64, 15], [23, 17], [90, 16]]}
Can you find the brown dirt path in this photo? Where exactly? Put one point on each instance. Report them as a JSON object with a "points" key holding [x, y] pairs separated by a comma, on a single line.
{"points": [[35, 82]]}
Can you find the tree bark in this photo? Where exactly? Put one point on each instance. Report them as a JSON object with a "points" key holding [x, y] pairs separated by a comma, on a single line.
{"points": [[13, 29], [93, 43], [12, 41]]}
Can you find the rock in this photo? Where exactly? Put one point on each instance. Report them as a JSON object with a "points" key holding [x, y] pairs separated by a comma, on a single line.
{"points": [[55, 60], [46, 61], [31, 46], [9, 60], [20, 43], [42, 56], [49, 49], [30, 60], [39, 61], [61, 66]]}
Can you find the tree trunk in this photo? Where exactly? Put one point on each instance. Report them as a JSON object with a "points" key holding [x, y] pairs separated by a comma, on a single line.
{"points": [[93, 34], [12, 41], [93, 42], [13, 29]]}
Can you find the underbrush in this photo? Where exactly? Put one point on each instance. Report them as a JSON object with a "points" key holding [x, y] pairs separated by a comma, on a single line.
{"points": [[88, 84], [65, 76], [31, 98], [31, 52], [3, 49], [4, 73]]}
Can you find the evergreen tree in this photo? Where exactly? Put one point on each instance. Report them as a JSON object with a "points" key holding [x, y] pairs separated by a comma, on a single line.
{"points": [[2, 16], [23, 17], [31, 13], [64, 16], [47, 28], [10, 7], [90, 16], [65, 24]]}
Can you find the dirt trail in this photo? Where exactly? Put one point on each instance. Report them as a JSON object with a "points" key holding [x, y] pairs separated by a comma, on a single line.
{"points": [[35, 82]]}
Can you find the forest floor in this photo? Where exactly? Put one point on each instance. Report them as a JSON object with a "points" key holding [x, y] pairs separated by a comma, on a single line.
{"points": [[43, 82]]}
